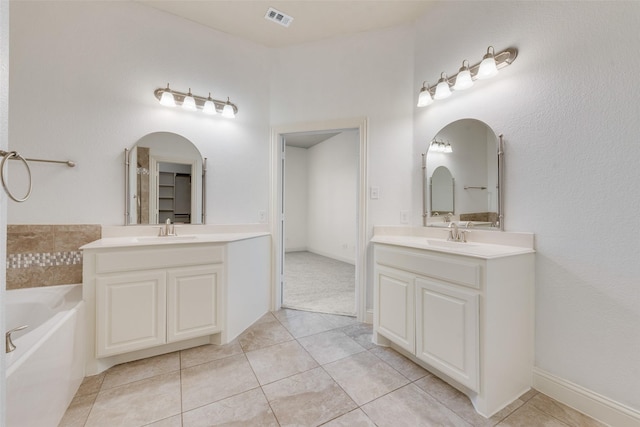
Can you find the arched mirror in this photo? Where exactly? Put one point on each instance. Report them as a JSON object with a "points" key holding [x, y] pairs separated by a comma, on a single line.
{"points": [[470, 151], [164, 179], [442, 187]]}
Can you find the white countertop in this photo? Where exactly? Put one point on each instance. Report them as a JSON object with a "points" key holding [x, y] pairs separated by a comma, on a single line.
{"points": [[472, 249], [133, 241]]}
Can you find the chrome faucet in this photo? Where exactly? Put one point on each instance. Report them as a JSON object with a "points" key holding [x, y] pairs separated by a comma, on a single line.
{"points": [[8, 343], [168, 229], [455, 234]]}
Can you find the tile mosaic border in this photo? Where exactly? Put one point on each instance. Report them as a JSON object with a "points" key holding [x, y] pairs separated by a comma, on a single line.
{"points": [[44, 259]]}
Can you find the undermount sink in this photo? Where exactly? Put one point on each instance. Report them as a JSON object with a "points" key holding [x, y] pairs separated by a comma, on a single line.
{"points": [[160, 239], [449, 244]]}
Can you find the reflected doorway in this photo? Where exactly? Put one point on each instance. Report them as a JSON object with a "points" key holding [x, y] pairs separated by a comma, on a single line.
{"points": [[320, 177]]}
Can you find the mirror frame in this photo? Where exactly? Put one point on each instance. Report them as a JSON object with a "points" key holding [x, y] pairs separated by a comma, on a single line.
{"points": [[500, 178], [127, 171]]}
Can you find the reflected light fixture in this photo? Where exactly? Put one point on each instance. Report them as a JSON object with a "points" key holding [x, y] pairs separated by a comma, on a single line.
{"points": [[424, 98], [440, 147], [189, 101], [463, 79], [442, 88], [489, 66]]}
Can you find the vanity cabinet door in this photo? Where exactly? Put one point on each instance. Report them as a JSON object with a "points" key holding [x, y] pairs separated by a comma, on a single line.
{"points": [[394, 298], [130, 312], [194, 296], [447, 335]]}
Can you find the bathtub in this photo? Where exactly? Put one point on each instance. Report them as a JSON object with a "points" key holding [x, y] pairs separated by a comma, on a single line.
{"points": [[45, 370]]}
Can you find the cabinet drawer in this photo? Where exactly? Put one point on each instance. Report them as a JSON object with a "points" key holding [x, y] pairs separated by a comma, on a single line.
{"points": [[462, 272], [163, 257]]}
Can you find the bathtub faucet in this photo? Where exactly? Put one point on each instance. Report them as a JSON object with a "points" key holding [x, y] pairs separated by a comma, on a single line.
{"points": [[9, 345]]}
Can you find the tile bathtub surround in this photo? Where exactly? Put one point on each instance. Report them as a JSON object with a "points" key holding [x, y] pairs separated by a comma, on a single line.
{"points": [[331, 376], [45, 255]]}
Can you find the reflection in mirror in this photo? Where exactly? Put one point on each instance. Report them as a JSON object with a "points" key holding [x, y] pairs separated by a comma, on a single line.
{"points": [[474, 162], [164, 180], [442, 191]]}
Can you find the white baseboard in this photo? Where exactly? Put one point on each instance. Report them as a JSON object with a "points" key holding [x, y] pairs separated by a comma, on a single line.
{"points": [[332, 256], [586, 401], [300, 249]]}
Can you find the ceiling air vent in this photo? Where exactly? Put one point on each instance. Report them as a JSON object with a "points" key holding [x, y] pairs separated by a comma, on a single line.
{"points": [[278, 17]]}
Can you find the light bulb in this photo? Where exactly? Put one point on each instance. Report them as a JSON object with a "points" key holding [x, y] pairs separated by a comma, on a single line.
{"points": [[488, 67], [463, 79], [227, 111], [189, 102], [209, 107], [442, 88], [167, 98], [424, 98]]}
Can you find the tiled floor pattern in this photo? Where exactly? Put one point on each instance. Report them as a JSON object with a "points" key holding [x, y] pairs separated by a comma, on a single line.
{"points": [[293, 368]]}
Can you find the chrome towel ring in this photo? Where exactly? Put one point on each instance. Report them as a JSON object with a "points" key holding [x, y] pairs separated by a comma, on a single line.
{"points": [[9, 155]]}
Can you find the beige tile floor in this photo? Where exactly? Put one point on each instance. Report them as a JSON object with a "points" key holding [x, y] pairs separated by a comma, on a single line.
{"points": [[293, 368]]}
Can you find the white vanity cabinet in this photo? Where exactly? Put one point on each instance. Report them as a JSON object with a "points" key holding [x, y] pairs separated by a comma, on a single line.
{"points": [[150, 296], [175, 297], [467, 318]]}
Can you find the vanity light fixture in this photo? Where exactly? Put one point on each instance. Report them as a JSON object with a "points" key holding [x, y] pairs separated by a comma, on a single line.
{"points": [[166, 98], [209, 107], [464, 80], [189, 103], [227, 110], [424, 98], [170, 98], [442, 88], [489, 66]]}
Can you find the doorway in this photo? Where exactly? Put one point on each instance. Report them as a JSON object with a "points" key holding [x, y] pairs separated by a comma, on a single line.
{"points": [[318, 241], [320, 175]]}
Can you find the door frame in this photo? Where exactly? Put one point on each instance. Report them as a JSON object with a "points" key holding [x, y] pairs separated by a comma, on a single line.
{"points": [[276, 197]]}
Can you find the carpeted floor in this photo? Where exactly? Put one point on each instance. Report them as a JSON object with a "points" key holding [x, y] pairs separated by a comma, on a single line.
{"points": [[317, 283]]}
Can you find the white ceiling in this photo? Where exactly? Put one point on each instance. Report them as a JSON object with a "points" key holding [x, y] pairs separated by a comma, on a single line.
{"points": [[312, 19], [307, 139]]}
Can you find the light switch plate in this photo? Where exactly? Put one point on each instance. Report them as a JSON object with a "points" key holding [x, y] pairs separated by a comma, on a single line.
{"points": [[374, 193]]}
